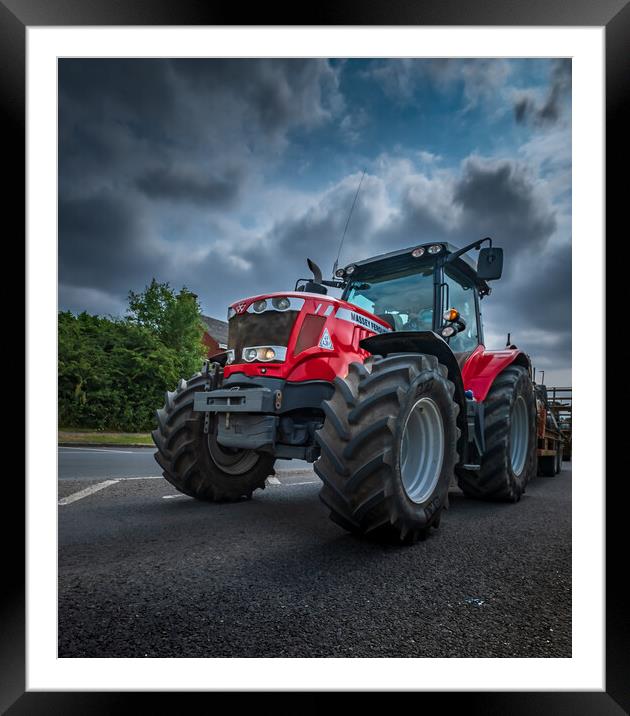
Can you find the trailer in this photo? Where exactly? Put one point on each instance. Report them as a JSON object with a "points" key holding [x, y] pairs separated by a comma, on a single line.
{"points": [[560, 404], [553, 406]]}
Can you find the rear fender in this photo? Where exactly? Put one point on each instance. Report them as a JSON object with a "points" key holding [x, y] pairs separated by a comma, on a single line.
{"points": [[429, 343], [483, 366]]}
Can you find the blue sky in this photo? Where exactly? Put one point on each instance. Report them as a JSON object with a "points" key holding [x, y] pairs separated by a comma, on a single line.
{"points": [[223, 175]]}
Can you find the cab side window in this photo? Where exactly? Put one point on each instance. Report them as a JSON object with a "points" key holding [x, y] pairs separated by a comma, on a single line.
{"points": [[461, 295]]}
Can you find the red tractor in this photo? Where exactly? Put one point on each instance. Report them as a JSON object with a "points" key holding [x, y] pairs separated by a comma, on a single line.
{"points": [[388, 390]]}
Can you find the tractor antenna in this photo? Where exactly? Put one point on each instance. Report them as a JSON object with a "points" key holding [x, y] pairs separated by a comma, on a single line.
{"points": [[508, 340], [347, 224]]}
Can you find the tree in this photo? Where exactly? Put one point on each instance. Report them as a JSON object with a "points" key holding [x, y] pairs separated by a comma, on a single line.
{"points": [[174, 318], [113, 372], [151, 307]]}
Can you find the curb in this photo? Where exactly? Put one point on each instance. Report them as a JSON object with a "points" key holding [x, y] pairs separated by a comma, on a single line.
{"points": [[112, 445]]}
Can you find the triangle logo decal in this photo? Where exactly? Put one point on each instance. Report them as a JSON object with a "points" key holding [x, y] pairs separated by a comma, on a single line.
{"points": [[326, 341]]}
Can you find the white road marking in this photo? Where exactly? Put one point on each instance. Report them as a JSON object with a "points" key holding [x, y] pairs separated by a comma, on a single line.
{"points": [[106, 483], [111, 477], [90, 449], [143, 477], [86, 492]]}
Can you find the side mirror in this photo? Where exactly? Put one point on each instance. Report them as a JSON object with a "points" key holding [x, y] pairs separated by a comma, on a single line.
{"points": [[490, 264]]}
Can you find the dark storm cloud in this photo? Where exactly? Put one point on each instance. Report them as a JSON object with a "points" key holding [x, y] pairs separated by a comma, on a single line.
{"points": [[533, 302], [542, 286], [190, 185], [319, 229], [119, 88], [278, 93], [487, 197], [118, 117], [500, 198], [102, 243], [138, 139], [527, 109], [265, 96]]}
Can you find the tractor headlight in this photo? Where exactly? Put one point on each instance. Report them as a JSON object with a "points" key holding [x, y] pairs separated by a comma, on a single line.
{"points": [[448, 331], [264, 354], [260, 306], [417, 253], [281, 304], [435, 248], [339, 273], [230, 356]]}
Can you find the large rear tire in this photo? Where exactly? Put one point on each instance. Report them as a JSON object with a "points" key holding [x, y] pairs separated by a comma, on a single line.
{"points": [[192, 460], [509, 461], [388, 446]]}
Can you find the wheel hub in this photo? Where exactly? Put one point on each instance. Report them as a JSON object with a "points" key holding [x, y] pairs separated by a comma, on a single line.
{"points": [[422, 450], [519, 435], [231, 461]]}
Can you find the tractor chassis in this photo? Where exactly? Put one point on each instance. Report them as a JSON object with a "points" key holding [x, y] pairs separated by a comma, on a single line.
{"points": [[267, 414]]}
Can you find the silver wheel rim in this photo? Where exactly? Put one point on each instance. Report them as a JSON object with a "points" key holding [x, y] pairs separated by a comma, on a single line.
{"points": [[519, 435], [232, 462], [422, 450]]}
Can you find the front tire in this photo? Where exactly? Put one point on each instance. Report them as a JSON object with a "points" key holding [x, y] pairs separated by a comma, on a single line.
{"points": [[510, 436], [192, 460], [388, 446]]}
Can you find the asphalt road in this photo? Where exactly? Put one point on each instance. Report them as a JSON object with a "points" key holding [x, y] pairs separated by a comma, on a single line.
{"points": [[144, 571]]}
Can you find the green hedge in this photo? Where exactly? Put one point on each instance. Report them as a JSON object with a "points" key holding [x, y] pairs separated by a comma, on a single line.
{"points": [[113, 372]]}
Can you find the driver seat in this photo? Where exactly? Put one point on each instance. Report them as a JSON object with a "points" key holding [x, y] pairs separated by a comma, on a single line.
{"points": [[389, 318]]}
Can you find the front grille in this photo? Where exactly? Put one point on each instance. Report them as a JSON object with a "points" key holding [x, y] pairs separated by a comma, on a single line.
{"points": [[271, 328], [310, 332]]}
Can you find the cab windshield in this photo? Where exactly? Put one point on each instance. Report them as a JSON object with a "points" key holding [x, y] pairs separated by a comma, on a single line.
{"points": [[404, 300]]}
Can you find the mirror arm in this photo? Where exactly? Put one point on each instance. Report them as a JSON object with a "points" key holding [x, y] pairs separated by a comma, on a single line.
{"points": [[474, 245]]}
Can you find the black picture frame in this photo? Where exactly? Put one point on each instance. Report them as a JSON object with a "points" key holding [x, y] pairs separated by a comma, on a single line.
{"points": [[17, 15]]}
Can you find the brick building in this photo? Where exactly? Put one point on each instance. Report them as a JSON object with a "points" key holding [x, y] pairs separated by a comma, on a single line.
{"points": [[216, 335]]}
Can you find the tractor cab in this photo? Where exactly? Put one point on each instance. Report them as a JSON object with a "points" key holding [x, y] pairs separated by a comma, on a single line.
{"points": [[433, 287]]}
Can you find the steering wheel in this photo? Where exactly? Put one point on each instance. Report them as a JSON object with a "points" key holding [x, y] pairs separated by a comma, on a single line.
{"points": [[422, 321]]}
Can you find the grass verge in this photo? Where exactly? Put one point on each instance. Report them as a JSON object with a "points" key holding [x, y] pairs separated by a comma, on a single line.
{"points": [[88, 437]]}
